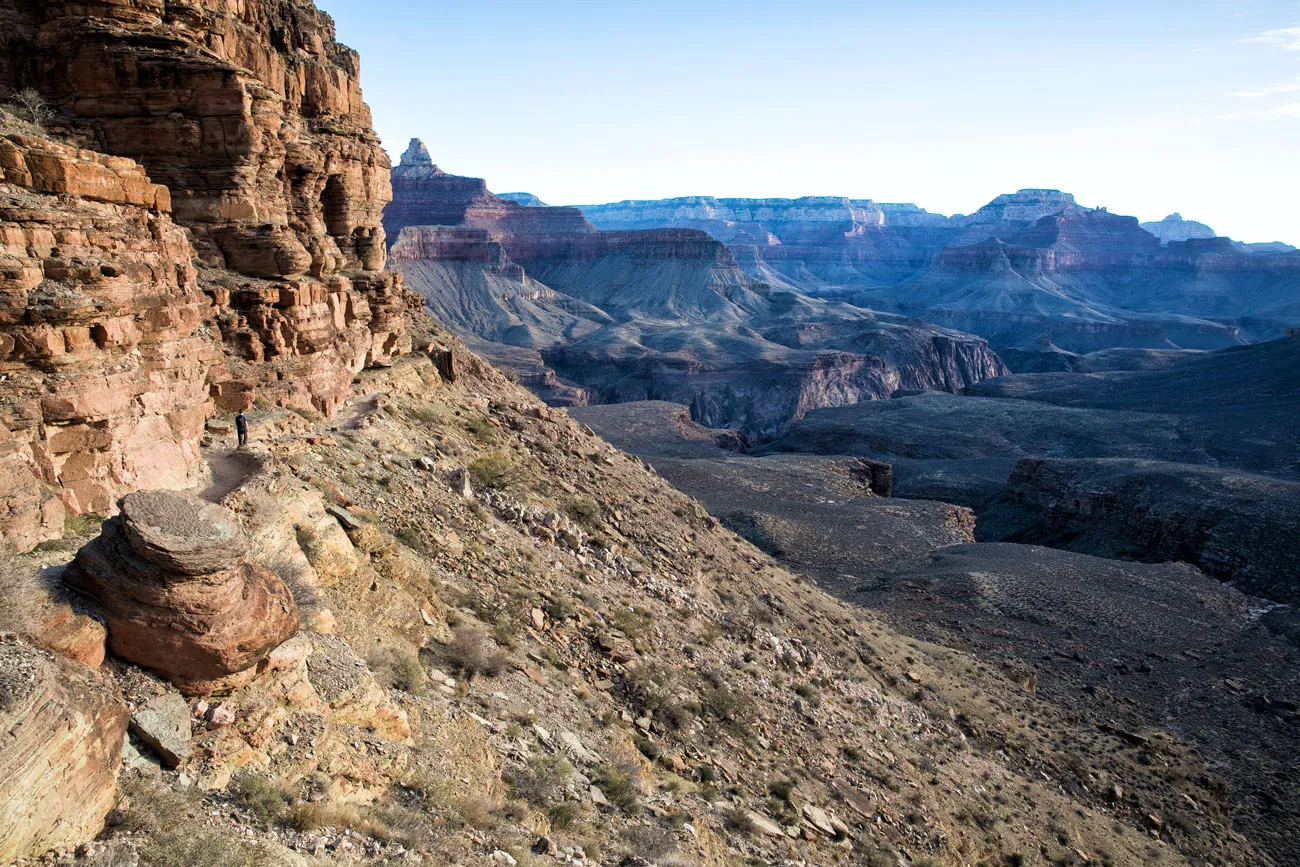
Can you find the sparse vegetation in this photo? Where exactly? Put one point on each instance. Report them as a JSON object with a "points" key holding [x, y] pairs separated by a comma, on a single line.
{"points": [[259, 796], [396, 668], [468, 654], [618, 784], [495, 471], [542, 783], [26, 112]]}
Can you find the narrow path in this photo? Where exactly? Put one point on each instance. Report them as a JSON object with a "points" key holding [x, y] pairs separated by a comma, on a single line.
{"points": [[229, 467]]}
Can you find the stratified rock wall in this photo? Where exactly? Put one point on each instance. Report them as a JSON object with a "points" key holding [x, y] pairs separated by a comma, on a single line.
{"points": [[252, 115], [244, 123], [101, 349]]}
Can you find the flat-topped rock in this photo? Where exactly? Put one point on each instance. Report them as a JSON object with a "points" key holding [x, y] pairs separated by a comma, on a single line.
{"points": [[171, 576], [181, 533]]}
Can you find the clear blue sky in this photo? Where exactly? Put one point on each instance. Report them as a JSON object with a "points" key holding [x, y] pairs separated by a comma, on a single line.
{"points": [[1144, 107]]}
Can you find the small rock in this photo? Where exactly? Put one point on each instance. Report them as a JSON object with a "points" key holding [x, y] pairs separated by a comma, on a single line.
{"points": [[764, 825], [503, 857], [163, 722], [817, 817]]}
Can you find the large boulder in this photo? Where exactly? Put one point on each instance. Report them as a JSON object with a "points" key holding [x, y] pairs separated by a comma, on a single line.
{"points": [[179, 594], [61, 731]]}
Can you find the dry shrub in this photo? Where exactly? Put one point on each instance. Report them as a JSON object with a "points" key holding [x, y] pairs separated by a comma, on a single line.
{"points": [[169, 836], [396, 668], [618, 783], [20, 594], [469, 655], [543, 782], [496, 471]]}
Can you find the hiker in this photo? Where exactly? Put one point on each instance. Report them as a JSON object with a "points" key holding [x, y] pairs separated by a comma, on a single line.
{"points": [[241, 428]]}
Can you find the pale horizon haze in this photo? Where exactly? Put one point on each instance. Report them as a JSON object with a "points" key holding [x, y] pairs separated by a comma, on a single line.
{"points": [[1145, 108]]}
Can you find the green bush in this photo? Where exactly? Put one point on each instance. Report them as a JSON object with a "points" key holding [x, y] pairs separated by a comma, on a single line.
{"points": [[618, 783], [495, 471]]}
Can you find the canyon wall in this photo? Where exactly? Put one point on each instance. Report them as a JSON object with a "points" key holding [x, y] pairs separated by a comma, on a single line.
{"points": [[582, 314], [102, 350], [1029, 270], [200, 225], [251, 114]]}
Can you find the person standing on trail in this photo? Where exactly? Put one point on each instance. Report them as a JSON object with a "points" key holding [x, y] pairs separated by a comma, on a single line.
{"points": [[241, 428]]}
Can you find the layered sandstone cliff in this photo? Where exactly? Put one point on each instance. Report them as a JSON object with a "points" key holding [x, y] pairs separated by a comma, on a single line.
{"points": [[102, 352], [213, 234], [252, 115]]}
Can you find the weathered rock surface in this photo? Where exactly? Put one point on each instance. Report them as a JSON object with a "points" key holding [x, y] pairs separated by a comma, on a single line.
{"points": [[61, 732], [163, 722], [103, 362], [179, 596], [249, 121]]}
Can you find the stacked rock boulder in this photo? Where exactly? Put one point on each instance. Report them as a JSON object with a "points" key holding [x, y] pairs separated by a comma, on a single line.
{"points": [[179, 593]]}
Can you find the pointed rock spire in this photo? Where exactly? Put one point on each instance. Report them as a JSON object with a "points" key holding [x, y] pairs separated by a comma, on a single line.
{"points": [[416, 154]]}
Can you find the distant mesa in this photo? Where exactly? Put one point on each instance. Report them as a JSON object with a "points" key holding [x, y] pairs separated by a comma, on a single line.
{"points": [[588, 314], [1175, 228], [528, 200], [1027, 264]]}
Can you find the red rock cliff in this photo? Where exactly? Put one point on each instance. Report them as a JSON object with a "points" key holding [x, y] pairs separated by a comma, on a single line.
{"points": [[102, 360], [233, 242], [251, 114]]}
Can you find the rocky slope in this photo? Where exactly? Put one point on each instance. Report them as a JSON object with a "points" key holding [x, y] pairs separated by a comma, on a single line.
{"points": [[1028, 265], [1100, 636], [666, 313]]}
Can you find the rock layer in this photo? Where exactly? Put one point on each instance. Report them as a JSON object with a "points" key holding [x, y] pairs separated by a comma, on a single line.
{"points": [[61, 731], [252, 114], [1027, 265], [103, 360], [248, 120], [171, 576]]}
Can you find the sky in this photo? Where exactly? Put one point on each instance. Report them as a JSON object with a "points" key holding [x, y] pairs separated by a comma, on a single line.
{"points": [[1145, 108]]}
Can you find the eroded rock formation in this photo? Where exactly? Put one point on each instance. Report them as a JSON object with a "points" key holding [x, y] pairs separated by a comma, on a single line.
{"points": [[584, 315], [179, 594], [252, 115], [249, 122], [103, 360], [1027, 265], [61, 731]]}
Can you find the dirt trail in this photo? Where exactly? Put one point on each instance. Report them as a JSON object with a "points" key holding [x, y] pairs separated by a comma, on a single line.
{"points": [[229, 467]]}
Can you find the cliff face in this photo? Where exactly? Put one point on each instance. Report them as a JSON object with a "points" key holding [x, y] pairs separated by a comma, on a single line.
{"points": [[232, 247], [104, 366], [252, 115], [1027, 266]]}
